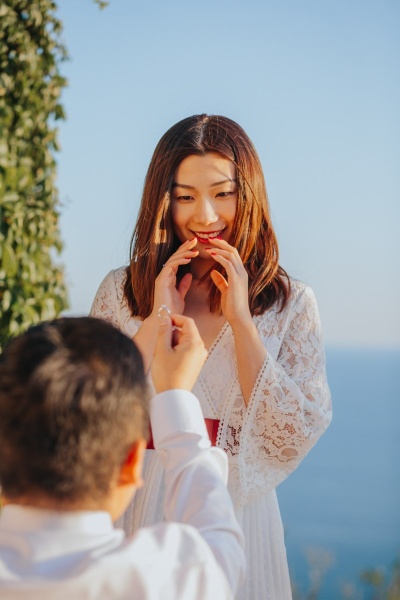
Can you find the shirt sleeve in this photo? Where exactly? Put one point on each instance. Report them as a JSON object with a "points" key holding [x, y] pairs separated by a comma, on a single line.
{"points": [[290, 405], [195, 475]]}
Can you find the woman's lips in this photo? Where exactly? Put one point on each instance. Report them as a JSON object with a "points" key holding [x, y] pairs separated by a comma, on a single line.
{"points": [[204, 237], [207, 240]]}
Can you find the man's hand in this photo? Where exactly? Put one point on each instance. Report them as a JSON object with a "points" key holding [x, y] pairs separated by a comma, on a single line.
{"points": [[179, 355]]}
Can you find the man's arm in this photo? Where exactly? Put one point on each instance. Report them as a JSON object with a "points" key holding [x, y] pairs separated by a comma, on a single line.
{"points": [[196, 473]]}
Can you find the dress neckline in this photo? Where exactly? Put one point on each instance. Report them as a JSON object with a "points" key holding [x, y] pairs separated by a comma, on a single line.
{"points": [[217, 339]]}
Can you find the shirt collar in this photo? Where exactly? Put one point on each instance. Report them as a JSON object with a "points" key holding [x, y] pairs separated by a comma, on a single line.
{"points": [[25, 519]]}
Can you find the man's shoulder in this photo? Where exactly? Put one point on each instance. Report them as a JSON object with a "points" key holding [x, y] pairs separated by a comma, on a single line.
{"points": [[168, 560]]}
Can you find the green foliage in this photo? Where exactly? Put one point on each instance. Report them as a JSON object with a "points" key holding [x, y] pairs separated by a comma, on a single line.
{"points": [[393, 591], [102, 3], [373, 584], [383, 588], [373, 577], [31, 283]]}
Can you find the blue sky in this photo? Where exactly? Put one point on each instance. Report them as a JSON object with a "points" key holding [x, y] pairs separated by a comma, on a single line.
{"points": [[316, 86]]}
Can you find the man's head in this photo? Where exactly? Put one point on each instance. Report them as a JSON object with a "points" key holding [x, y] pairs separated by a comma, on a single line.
{"points": [[73, 410]]}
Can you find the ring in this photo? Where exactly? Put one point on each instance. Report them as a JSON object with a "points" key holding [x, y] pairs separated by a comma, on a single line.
{"points": [[163, 308]]}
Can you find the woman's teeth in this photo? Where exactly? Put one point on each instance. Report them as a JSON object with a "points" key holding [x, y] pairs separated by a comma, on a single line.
{"points": [[204, 237]]}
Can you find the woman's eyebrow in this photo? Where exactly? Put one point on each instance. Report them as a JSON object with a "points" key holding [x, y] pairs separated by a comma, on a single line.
{"points": [[191, 187], [221, 182], [182, 185]]}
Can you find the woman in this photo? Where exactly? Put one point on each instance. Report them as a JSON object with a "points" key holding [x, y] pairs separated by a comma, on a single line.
{"points": [[204, 246]]}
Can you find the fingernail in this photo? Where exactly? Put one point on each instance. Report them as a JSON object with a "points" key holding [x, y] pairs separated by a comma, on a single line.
{"points": [[213, 254]]}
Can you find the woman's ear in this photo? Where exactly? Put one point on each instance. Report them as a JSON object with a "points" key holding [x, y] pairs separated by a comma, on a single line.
{"points": [[131, 470]]}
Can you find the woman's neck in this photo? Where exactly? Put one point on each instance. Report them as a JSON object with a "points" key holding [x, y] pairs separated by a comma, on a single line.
{"points": [[200, 266]]}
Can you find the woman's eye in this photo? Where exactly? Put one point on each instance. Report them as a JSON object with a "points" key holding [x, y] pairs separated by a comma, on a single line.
{"points": [[224, 194], [184, 198]]}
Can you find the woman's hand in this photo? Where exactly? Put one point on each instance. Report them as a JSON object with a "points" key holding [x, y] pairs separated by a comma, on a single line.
{"points": [[165, 290], [249, 348], [234, 290]]}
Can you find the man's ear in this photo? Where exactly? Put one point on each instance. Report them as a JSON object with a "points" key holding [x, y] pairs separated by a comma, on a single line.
{"points": [[131, 470]]}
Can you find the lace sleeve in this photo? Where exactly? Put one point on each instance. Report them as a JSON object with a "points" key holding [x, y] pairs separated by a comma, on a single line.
{"points": [[110, 305], [105, 304], [290, 405]]}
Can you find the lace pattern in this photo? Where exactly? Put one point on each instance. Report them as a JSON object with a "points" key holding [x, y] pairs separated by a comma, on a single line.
{"points": [[110, 304], [290, 403]]}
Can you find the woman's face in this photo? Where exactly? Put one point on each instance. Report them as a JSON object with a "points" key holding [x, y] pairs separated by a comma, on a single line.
{"points": [[204, 199]]}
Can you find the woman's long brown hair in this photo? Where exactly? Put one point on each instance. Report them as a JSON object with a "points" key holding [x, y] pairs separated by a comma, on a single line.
{"points": [[153, 240]]}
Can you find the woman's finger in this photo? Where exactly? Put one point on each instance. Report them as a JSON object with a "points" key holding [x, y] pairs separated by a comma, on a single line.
{"points": [[223, 245], [224, 257], [174, 262], [219, 281], [227, 264], [185, 284], [177, 258], [186, 247], [183, 255]]}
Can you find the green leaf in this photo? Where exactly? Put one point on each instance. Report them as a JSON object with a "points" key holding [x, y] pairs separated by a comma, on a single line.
{"points": [[9, 260], [102, 3], [48, 309], [11, 197], [6, 302]]}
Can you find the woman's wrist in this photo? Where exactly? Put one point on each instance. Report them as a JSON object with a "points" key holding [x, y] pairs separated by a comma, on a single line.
{"points": [[241, 324], [245, 333], [153, 317]]}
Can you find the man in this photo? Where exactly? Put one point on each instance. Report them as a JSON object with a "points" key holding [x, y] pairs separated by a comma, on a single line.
{"points": [[73, 428]]}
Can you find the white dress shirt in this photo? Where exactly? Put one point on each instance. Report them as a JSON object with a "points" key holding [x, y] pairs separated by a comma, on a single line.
{"points": [[197, 554]]}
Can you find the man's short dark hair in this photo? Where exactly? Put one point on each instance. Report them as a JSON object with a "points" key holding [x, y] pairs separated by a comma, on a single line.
{"points": [[73, 398]]}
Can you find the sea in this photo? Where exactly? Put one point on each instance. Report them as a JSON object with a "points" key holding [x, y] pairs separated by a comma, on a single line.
{"points": [[341, 507]]}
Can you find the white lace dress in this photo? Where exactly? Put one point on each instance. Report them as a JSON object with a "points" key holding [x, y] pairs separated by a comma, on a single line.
{"points": [[289, 409]]}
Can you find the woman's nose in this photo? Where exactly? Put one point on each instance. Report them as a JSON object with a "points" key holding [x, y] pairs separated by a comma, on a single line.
{"points": [[205, 212]]}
